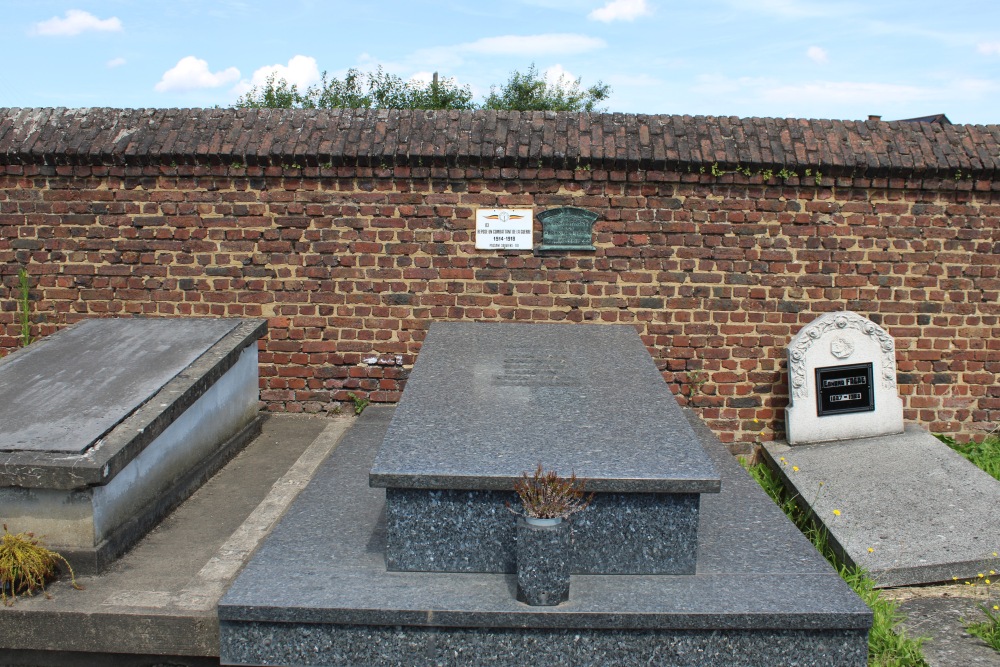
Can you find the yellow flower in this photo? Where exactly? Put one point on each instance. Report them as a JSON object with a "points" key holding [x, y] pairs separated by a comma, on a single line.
{"points": [[987, 581], [795, 468], [755, 421], [836, 512], [993, 572], [996, 607], [980, 575], [870, 550], [954, 578]]}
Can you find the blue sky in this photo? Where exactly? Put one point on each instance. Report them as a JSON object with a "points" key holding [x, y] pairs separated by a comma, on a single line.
{"points": [[783, 58]]}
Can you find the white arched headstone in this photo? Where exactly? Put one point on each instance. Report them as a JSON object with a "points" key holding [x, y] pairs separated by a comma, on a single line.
{"points": [[841, 381]]}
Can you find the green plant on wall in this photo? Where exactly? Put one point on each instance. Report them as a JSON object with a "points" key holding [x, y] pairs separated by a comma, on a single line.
{"points": [[359, 403], [24, 308]]}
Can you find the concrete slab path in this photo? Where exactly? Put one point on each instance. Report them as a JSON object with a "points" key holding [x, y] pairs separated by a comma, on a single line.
{"points": [[159, 600]]}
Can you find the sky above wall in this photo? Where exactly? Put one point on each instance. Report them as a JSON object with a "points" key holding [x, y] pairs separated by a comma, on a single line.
{"points": [[782, 58]]}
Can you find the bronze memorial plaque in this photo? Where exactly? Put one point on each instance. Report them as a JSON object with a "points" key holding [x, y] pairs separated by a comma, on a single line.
{"points": [[567, 228]]}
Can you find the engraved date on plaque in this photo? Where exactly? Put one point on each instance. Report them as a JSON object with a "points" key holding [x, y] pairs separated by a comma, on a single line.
{"points": [[844, 389]]}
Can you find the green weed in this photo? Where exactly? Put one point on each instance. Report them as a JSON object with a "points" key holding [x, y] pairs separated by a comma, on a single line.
{"points": [[985, 455], [359, 403], [888, 645], [988, 629], [24, 307]]}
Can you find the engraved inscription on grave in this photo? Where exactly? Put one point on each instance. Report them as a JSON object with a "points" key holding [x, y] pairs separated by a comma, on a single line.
{"points": [[526, 370], [844, 389]]}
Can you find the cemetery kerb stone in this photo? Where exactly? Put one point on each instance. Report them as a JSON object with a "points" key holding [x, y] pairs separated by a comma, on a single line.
{"points": [[842, 381], [109, 423], [318, 591]]}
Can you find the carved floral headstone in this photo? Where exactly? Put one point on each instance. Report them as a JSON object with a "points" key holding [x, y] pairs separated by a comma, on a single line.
{"points": [[842, 381]]}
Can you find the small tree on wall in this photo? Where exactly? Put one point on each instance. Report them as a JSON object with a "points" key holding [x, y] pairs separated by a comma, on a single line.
{"points": [[529, 91]]}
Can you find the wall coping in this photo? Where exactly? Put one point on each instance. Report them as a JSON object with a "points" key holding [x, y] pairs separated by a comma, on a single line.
{"points": [[496, 139]]}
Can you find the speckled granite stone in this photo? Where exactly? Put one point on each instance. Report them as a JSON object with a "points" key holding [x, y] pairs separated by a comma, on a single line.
{"points": [[762, 594], [486, 402], [473, 531], [389, 646], [543, 559]]}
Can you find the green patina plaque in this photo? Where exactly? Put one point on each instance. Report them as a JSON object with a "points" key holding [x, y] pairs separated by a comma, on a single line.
{"points": [[567, 228]]}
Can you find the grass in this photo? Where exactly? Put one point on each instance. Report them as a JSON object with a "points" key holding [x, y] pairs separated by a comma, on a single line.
{"points": [[888, 645], [987, 629], [24, 307], [26, 566], [985, 455]]}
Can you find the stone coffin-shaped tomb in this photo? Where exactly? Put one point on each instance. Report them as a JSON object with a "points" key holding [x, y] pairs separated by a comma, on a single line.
{"points": [[398, 552], [108, 424], [488, 402]]}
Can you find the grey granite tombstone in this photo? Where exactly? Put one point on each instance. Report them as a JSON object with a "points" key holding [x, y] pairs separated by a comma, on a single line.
{"points": [[487, 402]]}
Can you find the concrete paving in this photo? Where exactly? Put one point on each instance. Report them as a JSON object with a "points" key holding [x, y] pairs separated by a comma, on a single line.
{"points": [[940, 614], [905, 507], [159, 600]]}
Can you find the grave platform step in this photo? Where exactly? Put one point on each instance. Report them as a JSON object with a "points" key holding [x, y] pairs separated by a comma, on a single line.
{"points": [[110, 423], [318, 592], [925, 513]]}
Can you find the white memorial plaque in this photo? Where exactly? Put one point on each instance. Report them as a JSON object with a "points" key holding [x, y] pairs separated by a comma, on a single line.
{"points": [[504, 228]]}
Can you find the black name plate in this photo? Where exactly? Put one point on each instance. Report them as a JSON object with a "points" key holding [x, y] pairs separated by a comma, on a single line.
{"points": [[844, 389]]}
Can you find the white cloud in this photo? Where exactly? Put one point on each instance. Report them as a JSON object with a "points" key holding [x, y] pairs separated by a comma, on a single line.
{"points": [[301, 71], [620, 10], [116, 62], [817, 54], [535, 45], [988, 48], [192, 73], [556, 73], [75, 22]]}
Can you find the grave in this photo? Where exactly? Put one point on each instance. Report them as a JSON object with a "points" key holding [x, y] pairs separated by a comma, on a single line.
{"points": [[842, 381], [897, 502], [348, 577], [109, 423], [524, 395]]}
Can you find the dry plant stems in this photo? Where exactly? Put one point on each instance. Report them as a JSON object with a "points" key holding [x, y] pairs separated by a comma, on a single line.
{"points": [[26, 566], [546, 495]]}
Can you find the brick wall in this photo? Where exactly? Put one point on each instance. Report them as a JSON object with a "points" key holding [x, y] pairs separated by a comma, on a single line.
{"points": [[351, 232]]}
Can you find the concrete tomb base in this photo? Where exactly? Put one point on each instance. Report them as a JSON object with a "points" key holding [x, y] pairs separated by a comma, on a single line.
{"points": [[317, 592], [904, 507], [109, 424]]}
